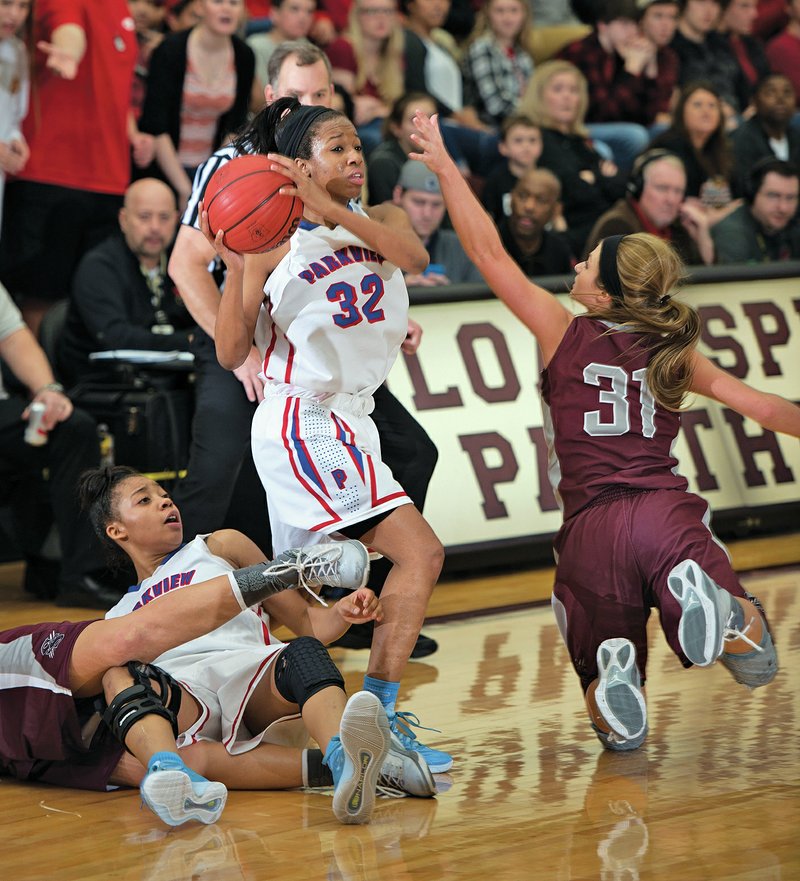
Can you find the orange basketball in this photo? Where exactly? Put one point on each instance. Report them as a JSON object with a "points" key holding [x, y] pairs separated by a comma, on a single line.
{"points": [[243, 200]]}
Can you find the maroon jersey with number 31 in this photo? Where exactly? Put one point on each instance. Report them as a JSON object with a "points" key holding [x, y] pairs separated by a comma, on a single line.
{"points": [[604, 427]]}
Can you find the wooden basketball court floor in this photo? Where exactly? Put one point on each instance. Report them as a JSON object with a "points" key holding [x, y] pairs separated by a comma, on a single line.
{"points": [[712, 796]]}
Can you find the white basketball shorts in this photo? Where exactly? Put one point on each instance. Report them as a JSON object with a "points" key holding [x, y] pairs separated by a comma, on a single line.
{"points": [[321, 469]]}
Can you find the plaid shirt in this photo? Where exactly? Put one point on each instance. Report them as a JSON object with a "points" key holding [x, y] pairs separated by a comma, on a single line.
{"points": [[493, 79], [616, 95]]}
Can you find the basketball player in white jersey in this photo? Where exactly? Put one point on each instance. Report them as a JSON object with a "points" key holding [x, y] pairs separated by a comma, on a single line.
{"points": [[337, 307], [300, 70], [243, 691]]}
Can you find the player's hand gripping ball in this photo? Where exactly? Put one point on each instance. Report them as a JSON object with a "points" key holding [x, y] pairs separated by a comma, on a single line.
{"points": [[243, 199]]}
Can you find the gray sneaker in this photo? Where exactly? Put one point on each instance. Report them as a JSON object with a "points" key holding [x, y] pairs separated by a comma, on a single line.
{"points": [[618, 695], [709, 616], [755, 668], [405, 772], [335, 564]]}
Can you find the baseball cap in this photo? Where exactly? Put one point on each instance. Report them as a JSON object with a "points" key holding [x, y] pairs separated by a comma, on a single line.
{"points": [[415, 176]]}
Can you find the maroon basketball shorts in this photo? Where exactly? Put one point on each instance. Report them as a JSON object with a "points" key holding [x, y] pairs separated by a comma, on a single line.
{"points": [[613, 561]]}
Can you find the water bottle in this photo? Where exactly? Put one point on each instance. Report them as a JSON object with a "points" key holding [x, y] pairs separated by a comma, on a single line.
{"points": [[35, 435]]}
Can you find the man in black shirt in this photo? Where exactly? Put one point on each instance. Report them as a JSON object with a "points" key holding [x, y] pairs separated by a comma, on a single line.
{"points": [[535, 201], [122, 297]]}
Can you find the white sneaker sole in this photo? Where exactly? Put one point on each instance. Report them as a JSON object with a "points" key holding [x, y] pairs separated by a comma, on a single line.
{"points": [[700, 630], [619, 700], [169, 794], [365, 735]]}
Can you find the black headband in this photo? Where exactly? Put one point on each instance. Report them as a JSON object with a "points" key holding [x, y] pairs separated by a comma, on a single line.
{"points": [[608, 267], [293, 127]]}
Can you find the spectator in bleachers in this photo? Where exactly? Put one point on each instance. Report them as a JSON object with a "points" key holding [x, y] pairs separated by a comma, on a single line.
{"points": [[70, 447], [704, 54], [67, 197], [526, 233], [625, 89], [419, 195], [765, 228], [658, 20], [783, 51], [698, 136], [769, 133], [497, 61], [291, 20], [122, 297], [771, 18], [431, 66], [655, 204], [198, 90], [14, 90], [520, 146], [556, 99], [388, 158], [182, 14], [367, 61], [148, 17], [736, 24]]}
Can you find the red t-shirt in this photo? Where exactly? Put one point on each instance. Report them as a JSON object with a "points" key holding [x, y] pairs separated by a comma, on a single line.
{"points": [[258, 8], [77, 129]]}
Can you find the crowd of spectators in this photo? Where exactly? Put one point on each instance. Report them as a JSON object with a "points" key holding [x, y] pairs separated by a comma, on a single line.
{"points": [[678, 117]]}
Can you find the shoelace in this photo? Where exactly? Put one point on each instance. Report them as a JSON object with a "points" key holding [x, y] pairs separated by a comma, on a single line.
{"points": [[298, 566], [390, 786], [410, 720], [322, 569], [731, 633]]}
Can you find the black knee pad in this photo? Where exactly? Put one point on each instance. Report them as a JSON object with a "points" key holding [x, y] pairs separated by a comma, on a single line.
{"points": [[140, 700], [303, 668]]}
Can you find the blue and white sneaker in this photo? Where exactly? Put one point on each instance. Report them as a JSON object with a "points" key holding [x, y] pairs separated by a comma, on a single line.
{"points": [[176, 794], [437, 760], [356, 756]]}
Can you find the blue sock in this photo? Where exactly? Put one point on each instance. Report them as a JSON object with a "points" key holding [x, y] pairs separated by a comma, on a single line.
{"points": [[164, 758], [386, 692]]}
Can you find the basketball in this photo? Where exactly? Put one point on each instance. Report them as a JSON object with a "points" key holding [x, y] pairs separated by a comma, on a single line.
{"points": [[243, 199]]}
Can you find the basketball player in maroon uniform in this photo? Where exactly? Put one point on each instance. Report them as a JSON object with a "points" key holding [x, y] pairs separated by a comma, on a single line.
{"points": [[633, 537]]}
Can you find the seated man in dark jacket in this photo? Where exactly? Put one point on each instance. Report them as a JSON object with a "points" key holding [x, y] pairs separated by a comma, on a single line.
{"points": [[122, 297], [769, 134], [765, 228], [535, 202], [655, 203]]}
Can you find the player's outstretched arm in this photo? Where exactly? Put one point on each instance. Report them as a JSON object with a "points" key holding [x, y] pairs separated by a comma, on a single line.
{"points": [[537, 308], [771, 411]]}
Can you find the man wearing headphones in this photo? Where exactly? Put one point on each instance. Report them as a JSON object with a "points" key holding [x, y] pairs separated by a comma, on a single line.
{"points": [[765, 228], [655, 203]]}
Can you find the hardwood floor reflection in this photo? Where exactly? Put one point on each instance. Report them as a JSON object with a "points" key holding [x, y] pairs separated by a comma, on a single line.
{"points": [[713, 795]]}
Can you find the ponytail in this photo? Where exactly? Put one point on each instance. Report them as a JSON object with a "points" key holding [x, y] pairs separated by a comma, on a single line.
{"points": [[649, 271]]}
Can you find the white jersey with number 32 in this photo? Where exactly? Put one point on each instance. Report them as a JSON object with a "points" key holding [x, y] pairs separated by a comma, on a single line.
{"points": [[339, 313]]}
